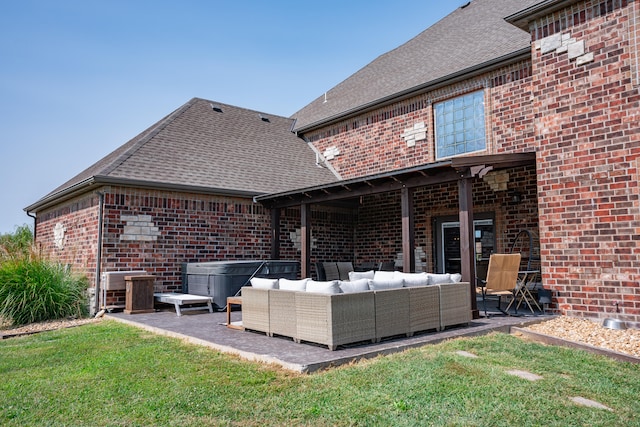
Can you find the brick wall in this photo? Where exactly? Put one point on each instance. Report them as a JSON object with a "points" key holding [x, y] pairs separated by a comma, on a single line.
{"points": [[67, 233], [155, 231], [380, 141], [588, 141], [511, 114], [158, 231]]}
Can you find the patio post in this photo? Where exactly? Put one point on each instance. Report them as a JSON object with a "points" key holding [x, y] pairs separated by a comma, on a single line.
{"points": [[467, 239], [408, 237], [305, 239], [275, 233]]}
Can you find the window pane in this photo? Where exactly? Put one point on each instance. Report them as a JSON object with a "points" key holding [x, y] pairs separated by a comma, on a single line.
{"points": [[460, 125]]}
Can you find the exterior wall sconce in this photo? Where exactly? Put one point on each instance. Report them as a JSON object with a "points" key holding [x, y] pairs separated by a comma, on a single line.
{"points": [[515, 196]]}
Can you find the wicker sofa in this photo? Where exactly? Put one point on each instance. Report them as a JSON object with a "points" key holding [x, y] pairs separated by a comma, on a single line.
{"points": [[334, 319]]}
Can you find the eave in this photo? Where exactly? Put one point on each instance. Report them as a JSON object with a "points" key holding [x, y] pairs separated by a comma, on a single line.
{"points": [[94, 182], [522, 18]]}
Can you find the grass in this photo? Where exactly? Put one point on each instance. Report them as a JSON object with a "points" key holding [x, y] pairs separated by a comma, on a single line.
{"points": [[108, 373]]}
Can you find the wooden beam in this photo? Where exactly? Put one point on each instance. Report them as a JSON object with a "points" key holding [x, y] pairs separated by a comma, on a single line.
{"points": [[365, 188], [275, 233], [467, 240], [305, 239], [408, 235]]}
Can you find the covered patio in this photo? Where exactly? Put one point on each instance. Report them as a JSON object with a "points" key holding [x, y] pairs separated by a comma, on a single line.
{"points": [[463, 172]]}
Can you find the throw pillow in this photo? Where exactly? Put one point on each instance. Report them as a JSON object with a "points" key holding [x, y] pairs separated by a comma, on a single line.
{"points": [[413, 279], [260, 283], [439, 279], [329, 287], [357, 275], [352, 286], [293, 285], [456, 278], [383, 275], [379, 284]]}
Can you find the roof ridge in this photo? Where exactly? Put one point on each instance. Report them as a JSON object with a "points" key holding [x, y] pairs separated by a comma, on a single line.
{"points": [[150, 133]]}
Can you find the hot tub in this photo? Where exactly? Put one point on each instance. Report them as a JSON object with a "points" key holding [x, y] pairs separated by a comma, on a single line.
{"points": [[222, 279]]}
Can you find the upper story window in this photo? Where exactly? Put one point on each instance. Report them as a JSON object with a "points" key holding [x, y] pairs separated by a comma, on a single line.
{"points": [[459, 125]]}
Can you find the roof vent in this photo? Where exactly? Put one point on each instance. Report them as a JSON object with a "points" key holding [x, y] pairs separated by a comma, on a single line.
{"points": [[216, 108], [264, 118]]}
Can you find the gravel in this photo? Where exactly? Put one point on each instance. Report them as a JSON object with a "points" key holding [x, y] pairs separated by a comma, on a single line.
{"points": [[7, 330], [590, 332]]}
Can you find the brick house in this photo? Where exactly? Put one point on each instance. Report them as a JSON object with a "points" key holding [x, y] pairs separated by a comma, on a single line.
{"points": [[505, 116], [181, 191]]}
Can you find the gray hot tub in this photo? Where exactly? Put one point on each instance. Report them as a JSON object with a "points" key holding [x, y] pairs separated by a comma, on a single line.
{"points": [[222, 279]]}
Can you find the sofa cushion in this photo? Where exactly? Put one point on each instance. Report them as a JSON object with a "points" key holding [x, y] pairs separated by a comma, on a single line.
{"points": [[351, 286], [260, 283], [439, 279], [383, 275], [329, 287], [380, 284], [456, 278], [293, 285], [413, 279], [357, 275]]}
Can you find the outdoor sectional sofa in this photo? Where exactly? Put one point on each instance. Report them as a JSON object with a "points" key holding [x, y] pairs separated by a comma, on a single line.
{"points": [[341, 312]]}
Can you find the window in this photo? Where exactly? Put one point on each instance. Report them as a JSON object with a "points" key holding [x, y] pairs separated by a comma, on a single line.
{"points": [[459, 125]]}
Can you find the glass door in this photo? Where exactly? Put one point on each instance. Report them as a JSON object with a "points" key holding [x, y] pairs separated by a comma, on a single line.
{"points": [[448, 245]]}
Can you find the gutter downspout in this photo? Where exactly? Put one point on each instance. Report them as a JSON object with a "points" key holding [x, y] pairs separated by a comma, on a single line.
{"points": [[99, 257], [35, 226]]}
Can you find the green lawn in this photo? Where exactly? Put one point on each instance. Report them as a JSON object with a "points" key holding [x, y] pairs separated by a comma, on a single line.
{"points": [[112, 374]]}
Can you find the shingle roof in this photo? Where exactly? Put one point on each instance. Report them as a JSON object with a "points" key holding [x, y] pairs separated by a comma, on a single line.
{"points": [[233, 149], [468, 37]]}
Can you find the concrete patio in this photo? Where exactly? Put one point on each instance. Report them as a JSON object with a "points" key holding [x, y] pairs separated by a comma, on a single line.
{"points": [[209, 329]]}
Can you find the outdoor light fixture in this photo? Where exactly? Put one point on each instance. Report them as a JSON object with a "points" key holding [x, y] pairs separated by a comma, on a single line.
{"points": [[515, 196]]}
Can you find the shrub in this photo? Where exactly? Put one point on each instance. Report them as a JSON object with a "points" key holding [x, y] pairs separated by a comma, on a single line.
{"points": [[17, 244], [33, 290]]}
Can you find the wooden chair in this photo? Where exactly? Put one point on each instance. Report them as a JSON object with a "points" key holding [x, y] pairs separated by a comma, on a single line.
{"points": [[502, 278]]}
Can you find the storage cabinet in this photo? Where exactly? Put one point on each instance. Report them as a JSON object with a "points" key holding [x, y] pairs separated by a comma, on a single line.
{"points": [[139, 294]]}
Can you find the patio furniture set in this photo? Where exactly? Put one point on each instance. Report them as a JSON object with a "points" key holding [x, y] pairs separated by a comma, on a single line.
{"points": [[369, 307]]}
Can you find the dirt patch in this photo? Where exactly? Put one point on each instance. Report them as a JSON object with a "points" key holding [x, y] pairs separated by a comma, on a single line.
{"points": [[590, 332]]}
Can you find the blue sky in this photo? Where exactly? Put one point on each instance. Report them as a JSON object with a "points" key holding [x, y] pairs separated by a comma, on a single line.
{"points": [[79, 78]]}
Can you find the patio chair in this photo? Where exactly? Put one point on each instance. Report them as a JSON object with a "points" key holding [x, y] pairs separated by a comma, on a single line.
{"points": [[502, 278], [387, 266], [344, 268], [331, 271], [321, 276]]}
